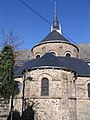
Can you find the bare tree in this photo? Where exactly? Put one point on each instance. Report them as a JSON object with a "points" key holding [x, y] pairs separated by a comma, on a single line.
{"points": [[10, 39]]}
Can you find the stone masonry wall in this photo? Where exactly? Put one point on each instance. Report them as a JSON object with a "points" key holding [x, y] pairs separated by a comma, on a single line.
{"points": [[83, 101], [47, 109], [61, 102], [68, 97], [60, 49]]}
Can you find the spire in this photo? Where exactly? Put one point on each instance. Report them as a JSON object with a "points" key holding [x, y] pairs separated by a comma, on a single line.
{"points": [[55, 22]]}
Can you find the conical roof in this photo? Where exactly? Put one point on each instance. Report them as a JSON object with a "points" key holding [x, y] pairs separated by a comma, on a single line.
{"points": [[55, 36]]}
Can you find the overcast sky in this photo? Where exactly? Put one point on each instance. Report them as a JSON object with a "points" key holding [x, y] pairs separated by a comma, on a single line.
{"points": [[73, 15]]}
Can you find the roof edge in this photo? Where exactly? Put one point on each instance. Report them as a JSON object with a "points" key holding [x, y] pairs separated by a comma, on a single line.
{"points": [[45, 42]]}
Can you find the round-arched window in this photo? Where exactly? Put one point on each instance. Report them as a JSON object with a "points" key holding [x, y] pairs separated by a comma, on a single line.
{"points": [[68, 55], [53, 53], [44, 87], [37, 56]]}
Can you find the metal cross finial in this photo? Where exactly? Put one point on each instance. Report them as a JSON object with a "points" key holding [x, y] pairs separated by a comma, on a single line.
{"points": [[55, 22], [55, 7]]}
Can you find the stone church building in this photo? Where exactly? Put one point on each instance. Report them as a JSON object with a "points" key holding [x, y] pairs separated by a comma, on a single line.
{"points": [[54, 80]]}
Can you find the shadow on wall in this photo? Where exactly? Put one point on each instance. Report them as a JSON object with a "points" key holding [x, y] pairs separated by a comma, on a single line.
{"points": [[16, 115], [28, 114]]}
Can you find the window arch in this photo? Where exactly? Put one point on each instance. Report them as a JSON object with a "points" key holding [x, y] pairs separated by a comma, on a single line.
{"points": [[68, 55], [37, 56], [88, 86], [44, 87], [53, 53]]}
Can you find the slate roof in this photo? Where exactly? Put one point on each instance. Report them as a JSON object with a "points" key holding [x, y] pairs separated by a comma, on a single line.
{"points": [[16, 68], [50, 61], [54, 36], [84, 52]]}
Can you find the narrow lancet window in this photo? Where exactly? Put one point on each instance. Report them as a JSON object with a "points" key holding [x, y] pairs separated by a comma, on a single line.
{"points": [[44, 87]]}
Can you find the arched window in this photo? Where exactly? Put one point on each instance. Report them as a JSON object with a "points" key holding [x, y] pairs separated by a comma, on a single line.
{"points": [[88, 89], [68, 55], [44, 87], [53, 53], [37, 56]]}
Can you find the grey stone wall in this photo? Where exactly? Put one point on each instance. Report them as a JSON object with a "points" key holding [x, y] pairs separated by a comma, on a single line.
{"points": [[60, 49], [61, 102], [83, 101], [68, 96]]}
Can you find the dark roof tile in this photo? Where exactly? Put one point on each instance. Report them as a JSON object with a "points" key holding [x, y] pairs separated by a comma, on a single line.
{"points": [[54, 36], [49, 60]]}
